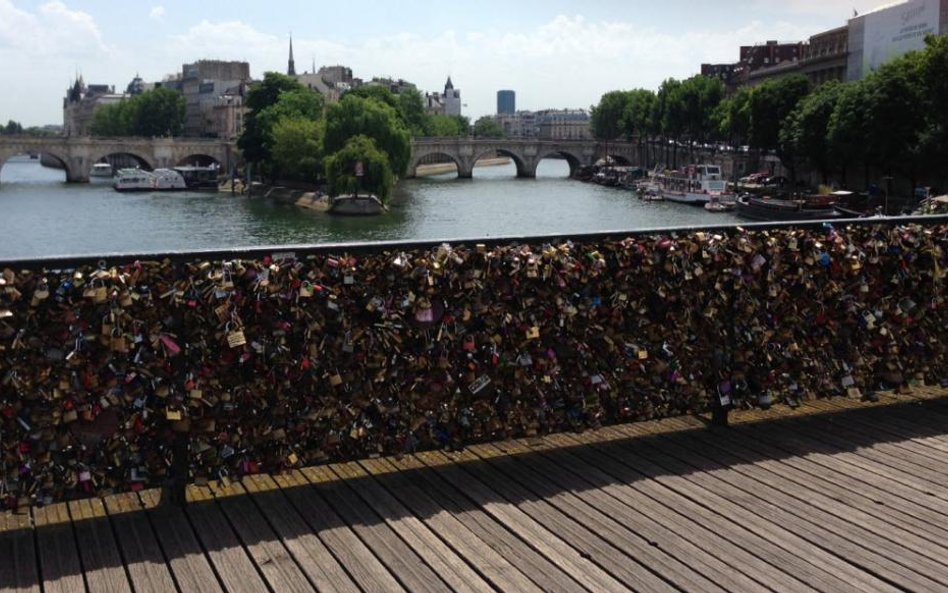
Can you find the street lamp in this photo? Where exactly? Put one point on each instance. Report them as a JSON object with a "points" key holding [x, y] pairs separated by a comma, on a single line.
{"points": [[888, 183]]}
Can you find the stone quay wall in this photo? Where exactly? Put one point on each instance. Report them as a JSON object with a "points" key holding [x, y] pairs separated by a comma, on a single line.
{"points": [[268, 360]]}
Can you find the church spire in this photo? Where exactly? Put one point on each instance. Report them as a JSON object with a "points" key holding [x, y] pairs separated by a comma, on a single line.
{"points": [[291, 65]]}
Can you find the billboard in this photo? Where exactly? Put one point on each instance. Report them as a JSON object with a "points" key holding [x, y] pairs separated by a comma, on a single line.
{"points": [[894, 31]]}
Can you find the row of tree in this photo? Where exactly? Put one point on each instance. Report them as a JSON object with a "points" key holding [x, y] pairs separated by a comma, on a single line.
{"points": [[16, 128], [158, 112], [892, 122]]}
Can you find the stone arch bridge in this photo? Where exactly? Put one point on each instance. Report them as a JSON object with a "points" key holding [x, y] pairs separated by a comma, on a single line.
{"points": [[525, 153], [79, 153]]}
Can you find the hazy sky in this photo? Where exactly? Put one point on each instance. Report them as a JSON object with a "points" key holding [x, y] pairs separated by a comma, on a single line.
{"points": [[553, 53]]}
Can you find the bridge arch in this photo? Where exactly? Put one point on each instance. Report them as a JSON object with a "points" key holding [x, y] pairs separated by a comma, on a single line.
{"points": [[7, 152], [199, 159], [574, 161], [422, 155], [523, 169], [141, 160]]}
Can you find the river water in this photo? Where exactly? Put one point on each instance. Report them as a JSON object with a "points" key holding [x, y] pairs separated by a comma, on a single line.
{"points": [[41, 215]]}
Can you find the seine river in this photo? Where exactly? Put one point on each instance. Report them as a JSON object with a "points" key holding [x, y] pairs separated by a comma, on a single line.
{"points": [[41, 215]]}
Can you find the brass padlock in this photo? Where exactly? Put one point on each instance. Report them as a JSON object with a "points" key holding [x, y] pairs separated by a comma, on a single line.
{"points": [[235, 337]]}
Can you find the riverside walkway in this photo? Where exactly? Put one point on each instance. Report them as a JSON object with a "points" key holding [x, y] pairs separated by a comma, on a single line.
{"points": [[836, 495]]}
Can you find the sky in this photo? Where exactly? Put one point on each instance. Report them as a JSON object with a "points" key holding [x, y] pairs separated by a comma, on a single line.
{"points": [[553, 53]]}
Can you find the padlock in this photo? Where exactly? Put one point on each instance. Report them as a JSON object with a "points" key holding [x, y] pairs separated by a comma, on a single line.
{"points": [[235, 336]]}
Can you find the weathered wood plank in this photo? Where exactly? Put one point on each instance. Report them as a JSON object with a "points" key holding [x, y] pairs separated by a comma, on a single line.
{"points": [[191, 568], [225, 552], [546, 572], [103, 565], [361, 564], [144, 560], [271, 557], [581, 556], [18, 554], [400, 559], [314, 558], [58, 552]]}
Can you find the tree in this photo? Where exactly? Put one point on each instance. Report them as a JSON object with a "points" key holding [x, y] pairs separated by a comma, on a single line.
{"points": [[487, 127], [447, 126], [114, 120], [804, 133], [297, 148], [11, 128], [158, 112], [847, 131], [411, 106], [770, 103], [378, 93], [606, 117], [255, 139], [354, 116], [377, 175], [732, 117]]}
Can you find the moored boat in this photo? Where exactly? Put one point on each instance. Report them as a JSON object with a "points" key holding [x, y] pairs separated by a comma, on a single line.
{"points": [[693, 185], [168, 180], [356, 205], [200, 178], [101, 170], [775, 209], [130, 180], [716, 204]]}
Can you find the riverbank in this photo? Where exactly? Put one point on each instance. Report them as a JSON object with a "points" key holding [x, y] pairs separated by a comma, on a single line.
{"points": [[442, 168]]}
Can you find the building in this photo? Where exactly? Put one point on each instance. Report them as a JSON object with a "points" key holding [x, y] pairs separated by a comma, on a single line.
{"points": [[205, 84], [81, 103], [888, 32], [447, 103], [396, 86], [825, 56], [563, 124], [506, 102], [521, 124], [732, 75], [769, 54]]}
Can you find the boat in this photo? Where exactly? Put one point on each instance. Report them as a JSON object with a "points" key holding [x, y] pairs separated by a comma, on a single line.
{"points": [[129, 180], [101, 170], [716, 204], [693, 185], [771, 209], [356, 205], [168, 180], [200, 178]]}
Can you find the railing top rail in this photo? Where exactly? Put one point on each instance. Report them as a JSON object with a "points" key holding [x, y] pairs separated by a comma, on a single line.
{"points": [[254, 252]]}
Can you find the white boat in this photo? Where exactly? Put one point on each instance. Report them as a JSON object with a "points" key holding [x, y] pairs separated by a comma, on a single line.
{"points": [[101, 170], [716, 204], [168, 180], [356, 205], [694, 185], [129, 180]]}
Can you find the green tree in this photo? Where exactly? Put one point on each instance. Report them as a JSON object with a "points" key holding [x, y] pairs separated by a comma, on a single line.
{"points": [[770, 103], [732, 117], [114, 120], [636, 119], [11, 128], [354, 116], [446, 126], [379, 93], [934, 137], [255, 140], [411, 106], [606, 117], [487, 127], [848, 130], [158, 112], [804, 132], [297, 148], [377, 176]]}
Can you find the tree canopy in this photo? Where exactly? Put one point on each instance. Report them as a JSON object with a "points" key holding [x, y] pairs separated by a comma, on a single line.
{"points": [[354, 116], [487, 127], [377, 175], [158, 112]]}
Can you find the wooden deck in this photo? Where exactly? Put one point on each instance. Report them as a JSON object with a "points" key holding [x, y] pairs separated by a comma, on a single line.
{"points": [[835, 496]]}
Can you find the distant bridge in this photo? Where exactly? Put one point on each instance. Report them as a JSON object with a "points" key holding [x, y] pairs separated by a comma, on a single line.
{"points": [[78, 153], [525, 153]]}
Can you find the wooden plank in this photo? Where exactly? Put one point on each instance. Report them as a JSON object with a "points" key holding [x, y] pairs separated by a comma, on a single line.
{"points": [[642, 540], [191, 568], [227, 556], [912, 427], [59, 555], [101, 561], [492, 566], [744, 540], [533, 521], [18, 554], [362, 565], [314, 558], [400, 559], [543, 571], [146, 565], [856, 513], [444, 561], [831, 532], [264, 547]]}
